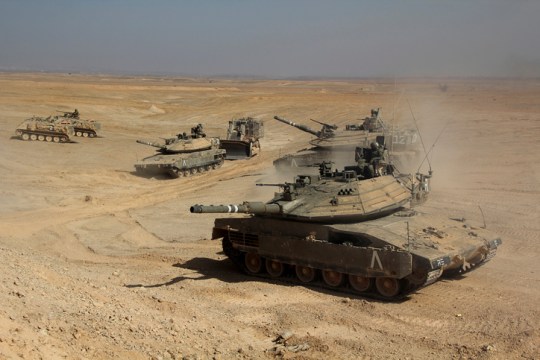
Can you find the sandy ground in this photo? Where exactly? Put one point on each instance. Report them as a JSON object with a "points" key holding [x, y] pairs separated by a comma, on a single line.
{"points": [[99, 263]]}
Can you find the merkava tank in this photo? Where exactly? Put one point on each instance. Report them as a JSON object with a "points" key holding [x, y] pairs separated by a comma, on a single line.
{"points": [[243, 138], [36, 128], [183, 155], [345, 231], [81, 127], [331, 142]]}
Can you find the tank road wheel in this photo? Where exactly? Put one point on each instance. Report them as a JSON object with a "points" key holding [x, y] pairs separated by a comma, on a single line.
{"points": [[48, 138], [41, 137], [332, 278], [85, 134], [56, 139], [253, 263], [387, 287], [417, 277], [174, 173], [305, 274], [477, 259], [359, 283], [33, 137], [78, 133], [25, 136], [274, 268], [91, 134]]}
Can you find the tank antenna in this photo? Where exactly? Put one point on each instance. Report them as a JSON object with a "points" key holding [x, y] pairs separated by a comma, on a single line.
{"points": [[432, 146], [420, 135], [408, 238], [483, 218], [396, 104]]}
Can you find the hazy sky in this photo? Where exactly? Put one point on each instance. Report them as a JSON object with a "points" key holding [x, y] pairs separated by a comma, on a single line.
{"points": [[278, 38]]}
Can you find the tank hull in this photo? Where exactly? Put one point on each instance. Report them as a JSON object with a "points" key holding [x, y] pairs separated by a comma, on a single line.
{"points": [[37, 129], [178, 165], [388, 257]]}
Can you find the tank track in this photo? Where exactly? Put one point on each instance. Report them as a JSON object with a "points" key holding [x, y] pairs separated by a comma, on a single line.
{"points": [[82, 132], [289, 277], [175, 172], [27, 135], [407, 287]]}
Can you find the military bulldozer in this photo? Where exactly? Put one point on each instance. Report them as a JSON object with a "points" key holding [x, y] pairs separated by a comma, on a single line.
{"points": [[242, 140]]}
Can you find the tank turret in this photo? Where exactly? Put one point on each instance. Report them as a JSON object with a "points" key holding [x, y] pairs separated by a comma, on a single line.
{"points": [[342, 231], [183, 143], [332, 196]]}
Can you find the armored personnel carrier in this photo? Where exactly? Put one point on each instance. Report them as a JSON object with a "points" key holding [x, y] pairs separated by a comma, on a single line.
{"points": [[352, 233], [331, 140], [84, 128], [35, 128], [243, 138], [183, 155]]}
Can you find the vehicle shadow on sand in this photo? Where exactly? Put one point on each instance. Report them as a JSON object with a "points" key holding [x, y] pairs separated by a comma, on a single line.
{"points": [[225, 271], [151, 175]]}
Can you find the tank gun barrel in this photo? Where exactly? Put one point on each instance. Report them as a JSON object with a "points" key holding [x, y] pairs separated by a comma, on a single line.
{"points": [[246, 208], [150, 143], [298, 126], [327, 126], [278, 184]]}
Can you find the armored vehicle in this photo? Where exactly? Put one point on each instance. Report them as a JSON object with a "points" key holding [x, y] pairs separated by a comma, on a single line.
{"points": [[243, 138], [35, 128], [353, 233], [330, 140], [84, 128], [183, 155]]}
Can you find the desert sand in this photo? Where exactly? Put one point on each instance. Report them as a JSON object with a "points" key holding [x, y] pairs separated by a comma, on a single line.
{"points": [[100, 263]]}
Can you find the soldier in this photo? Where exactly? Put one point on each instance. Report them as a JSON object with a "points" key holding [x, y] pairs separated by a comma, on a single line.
{"points": [[379, 160], [372, 161], [197, 131], [377, 152]]}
